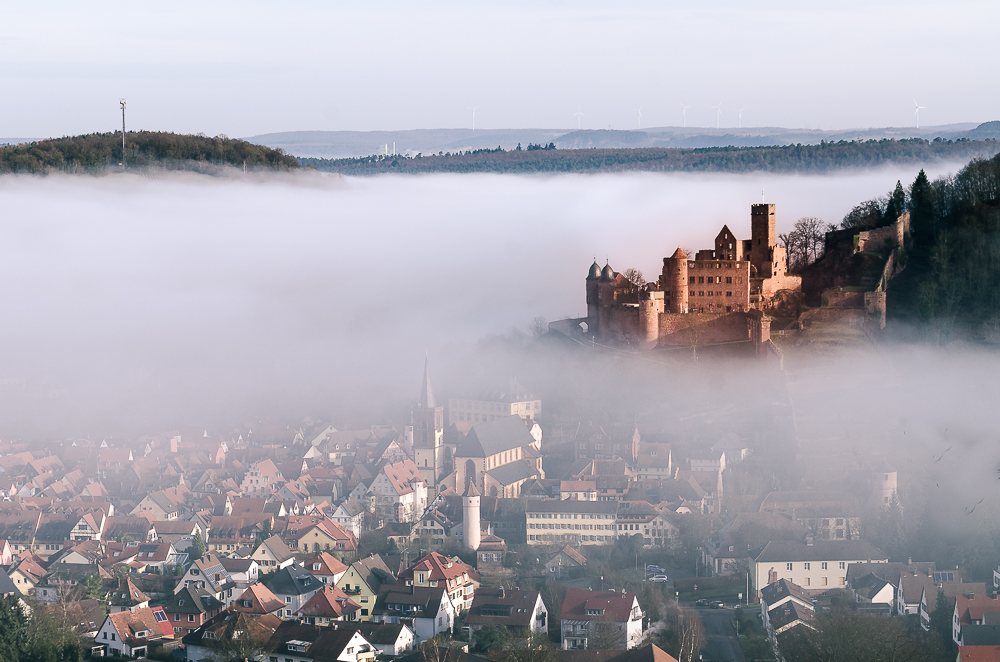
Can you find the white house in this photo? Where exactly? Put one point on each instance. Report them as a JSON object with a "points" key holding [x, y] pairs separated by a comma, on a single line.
{"points": [[584, 612], [350, 516], [128, 633], [428, 606], [816, 566], [399, 493]]}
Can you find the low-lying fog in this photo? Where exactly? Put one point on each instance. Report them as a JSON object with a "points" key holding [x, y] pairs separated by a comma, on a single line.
{"points": [[131, 302]]}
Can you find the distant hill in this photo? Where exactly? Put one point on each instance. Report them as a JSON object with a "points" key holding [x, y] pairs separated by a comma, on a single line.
{"points": [[825, 157], [100, 151], [343, 144]]}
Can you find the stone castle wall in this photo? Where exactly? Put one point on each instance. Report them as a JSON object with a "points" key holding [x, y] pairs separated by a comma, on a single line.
{"points": [[703, 328]]}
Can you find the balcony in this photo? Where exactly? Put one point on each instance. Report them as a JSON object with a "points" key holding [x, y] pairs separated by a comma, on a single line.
{"points": [[352, 591]]}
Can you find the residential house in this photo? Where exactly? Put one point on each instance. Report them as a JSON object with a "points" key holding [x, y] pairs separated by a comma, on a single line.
{"points": [[273, 554], [315, 533], [179, 533], [826, 515], [327, 607], [299, 642], [398, 493], [261, 479], [427, 607], [257, 599], [208, 573], [951, 591], [325, 568], [26, 573], [190, 608], [350, 516], [168, 504], [783, 606], [614, 617], [554, 521], [728, 550], [459, 579], [126, 527], [130, 633], [971, 611], [201, 645], [654, 461], [294, 586], [641, 518], [391, 639], [564, 561], [512, 609], [607, 443], [490, 555], [126, 596], [816, 566], [6, 553], [363, 580]]}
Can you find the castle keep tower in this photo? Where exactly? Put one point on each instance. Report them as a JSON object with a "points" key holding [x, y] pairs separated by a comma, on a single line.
{"points": [[428, 434], [592, 310], [763, 240], [470, 516], [675, 282]]}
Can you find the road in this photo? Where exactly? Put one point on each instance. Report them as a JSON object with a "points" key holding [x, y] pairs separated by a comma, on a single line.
{"points": [[721, 644]]}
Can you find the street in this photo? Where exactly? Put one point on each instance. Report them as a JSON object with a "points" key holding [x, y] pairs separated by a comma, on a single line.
{"points": [[721, 644]]}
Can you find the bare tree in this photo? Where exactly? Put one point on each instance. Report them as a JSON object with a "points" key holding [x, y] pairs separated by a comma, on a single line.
{"points": [[606, 634], [689, 632], [805, 243], [539, 327], [241, 638], [527, 646], [634, 276]]}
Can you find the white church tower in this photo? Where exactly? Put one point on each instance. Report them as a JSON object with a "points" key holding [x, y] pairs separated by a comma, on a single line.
{"points": [[470, 516]]}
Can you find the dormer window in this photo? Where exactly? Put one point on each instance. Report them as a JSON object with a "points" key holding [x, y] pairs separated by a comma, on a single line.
{"points": [[316, 566]]}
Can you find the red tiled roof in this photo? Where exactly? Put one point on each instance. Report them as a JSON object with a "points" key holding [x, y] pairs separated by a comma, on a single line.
{"points": [[331, 602], [617, 606]]}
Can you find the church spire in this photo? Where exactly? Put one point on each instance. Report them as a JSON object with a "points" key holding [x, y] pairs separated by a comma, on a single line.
{"points": [[426, 392]]}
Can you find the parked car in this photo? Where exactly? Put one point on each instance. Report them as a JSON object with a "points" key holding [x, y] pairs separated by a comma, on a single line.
{"points": [[718, 604], [658, 579], [701, 603]]}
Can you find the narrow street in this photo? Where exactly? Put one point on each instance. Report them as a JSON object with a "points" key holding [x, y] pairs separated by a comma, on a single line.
{"points": [[721, 643]]}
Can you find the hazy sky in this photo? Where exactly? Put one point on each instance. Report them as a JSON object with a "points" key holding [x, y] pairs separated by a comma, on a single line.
{"points": [[244, 68]]}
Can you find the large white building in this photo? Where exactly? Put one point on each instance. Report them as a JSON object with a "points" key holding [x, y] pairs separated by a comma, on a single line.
{"points": [[815, 566], [558, 521]]}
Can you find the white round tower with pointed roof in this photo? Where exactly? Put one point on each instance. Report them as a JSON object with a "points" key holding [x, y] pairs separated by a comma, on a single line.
{"points": [[470, 516], [883, 485]]}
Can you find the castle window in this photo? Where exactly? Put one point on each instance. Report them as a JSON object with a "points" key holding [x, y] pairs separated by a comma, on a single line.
{"points": [[701, 293], [729, 294], [692, 292], [701, 279], [692, 279], [729, 279]]}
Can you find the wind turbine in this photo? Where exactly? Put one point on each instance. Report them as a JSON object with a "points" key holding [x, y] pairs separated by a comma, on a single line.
{"points": [[684, 111], [638, 121], [473, 116], [718, 113], [740, 111], [916, 111], [578, 114]]}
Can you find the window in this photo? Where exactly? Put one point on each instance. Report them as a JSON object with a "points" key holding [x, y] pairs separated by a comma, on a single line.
{"points": [[788, 566], [190, 618], [177, 617], [823, 565], [822, 581], [843, 564], [807, 582], [729, 279], [807, 566], [701, 279]]}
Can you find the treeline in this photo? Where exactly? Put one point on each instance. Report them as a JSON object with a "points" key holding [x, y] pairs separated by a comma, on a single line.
{"points": [[100, 151], [953, 268], [825, 157], [41, 636]]}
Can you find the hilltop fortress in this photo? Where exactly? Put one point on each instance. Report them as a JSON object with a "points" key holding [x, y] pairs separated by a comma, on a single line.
{"points": [[719, 296]]}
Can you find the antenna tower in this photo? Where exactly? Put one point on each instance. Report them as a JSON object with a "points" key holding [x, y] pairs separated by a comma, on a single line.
{"points": [[122, 102]]}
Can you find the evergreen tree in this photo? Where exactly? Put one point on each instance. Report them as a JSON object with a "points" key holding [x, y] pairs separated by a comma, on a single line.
{"points": [[897, 203], [13, 630], [941, 621], [922, 208], [197, 548]]}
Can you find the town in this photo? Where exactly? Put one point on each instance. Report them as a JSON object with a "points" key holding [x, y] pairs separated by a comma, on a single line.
{"points": [[481, 525]]}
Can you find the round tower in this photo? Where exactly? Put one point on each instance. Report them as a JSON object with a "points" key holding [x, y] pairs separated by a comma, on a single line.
{"points": [[650, 307], [675, 280], [605, 299], [470, 516], [883, 485], [592, 278]]}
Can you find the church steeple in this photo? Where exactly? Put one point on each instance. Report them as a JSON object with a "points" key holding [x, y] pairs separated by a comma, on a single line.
{"points": [[426, 392]]}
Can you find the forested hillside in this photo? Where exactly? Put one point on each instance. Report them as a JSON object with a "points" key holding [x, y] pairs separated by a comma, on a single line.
{"points": [[825, 157], [952, 275], [98, 151]]}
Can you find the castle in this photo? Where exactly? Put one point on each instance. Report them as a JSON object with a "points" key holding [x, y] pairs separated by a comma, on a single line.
{"points": [[719, 296]]}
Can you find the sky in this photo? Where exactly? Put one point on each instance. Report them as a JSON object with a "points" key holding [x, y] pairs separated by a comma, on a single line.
{"points": [[246, 68]]}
